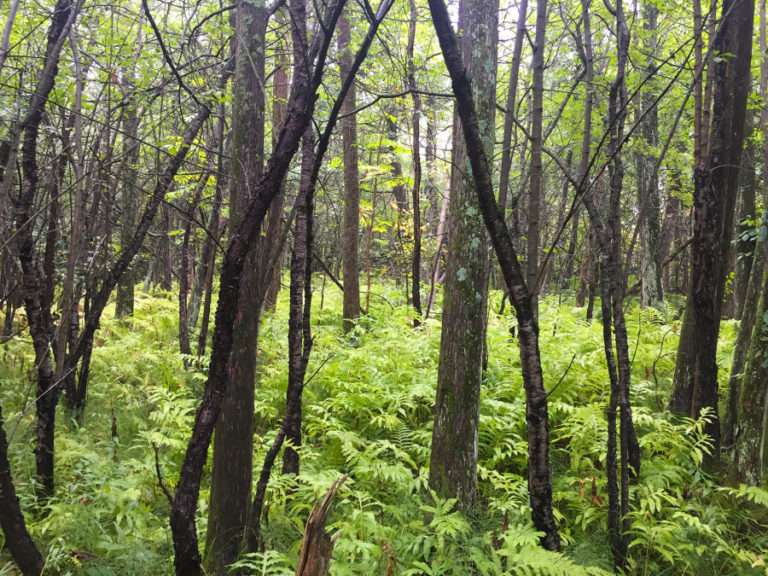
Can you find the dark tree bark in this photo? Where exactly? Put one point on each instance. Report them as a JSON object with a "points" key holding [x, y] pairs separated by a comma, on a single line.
{"points": [[164, 256], [539, 478], [185, 265], [416, 193], [537, 141], [609, 240], [208, 256], [299, 334], [20, 544], [715, 182], [301, 103], [36, 303], [232, 470], [351, 229], [300, 337]]}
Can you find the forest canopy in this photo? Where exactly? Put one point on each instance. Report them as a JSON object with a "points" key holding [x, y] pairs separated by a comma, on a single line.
{"points": [[395, 287]]}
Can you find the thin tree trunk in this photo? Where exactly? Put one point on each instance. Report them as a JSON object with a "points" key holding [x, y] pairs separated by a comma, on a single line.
{"points": [[351, 229], [38, 307], [184, 345], [537, 170], [279, 109], [744, 246], [208, 257], [299, 336], [416, 194], [511, 111], [128, 177], [648, 176]]}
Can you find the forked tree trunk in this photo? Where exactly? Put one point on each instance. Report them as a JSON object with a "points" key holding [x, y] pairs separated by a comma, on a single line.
{"points": [[715, 182], [301, 103]]}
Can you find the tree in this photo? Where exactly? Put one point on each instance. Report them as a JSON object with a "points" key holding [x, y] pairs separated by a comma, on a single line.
{"points": [[715, 185], [416, 145], [537, 417], [453, 465], [744, 422], [647, 170], [300, 107], [351, 226], [231, 475], [537, 137]]}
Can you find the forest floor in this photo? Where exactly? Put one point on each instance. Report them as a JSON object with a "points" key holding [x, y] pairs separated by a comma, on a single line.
{"points": [[368, 412]]}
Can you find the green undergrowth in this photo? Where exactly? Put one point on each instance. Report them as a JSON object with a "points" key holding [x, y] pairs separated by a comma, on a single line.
{"points": [[368, 413]]}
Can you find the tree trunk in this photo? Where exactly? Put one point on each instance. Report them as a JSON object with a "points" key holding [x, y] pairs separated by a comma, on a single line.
{"points": [[715, 183], [416, 194], [511, 111], [453, 465], [750, 313], [537, 418], [744, 247], [232, 469], [351, 230], [17, 539], [299, 337], [537, 169], [204, 276], [279, 109], [301, 102], [36, 304], [128, 177], [648, 176], [184, 345], [748, 450]]}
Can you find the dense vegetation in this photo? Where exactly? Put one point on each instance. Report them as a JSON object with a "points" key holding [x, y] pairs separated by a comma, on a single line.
{"points": [[369, 414], [475, 287]]}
